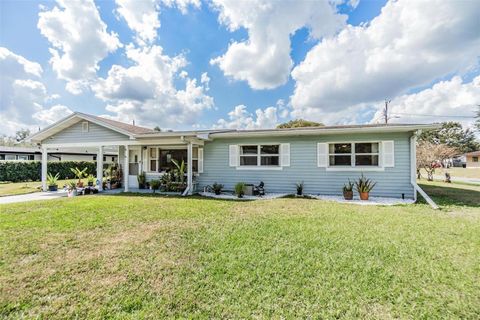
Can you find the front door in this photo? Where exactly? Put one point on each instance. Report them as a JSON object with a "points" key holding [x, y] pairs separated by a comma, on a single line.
{"points": [[133, 167]]}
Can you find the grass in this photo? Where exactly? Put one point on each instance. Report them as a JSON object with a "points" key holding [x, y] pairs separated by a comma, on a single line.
{"points": [[456, 172], [155, 257], [447, 194], [11, 189]]}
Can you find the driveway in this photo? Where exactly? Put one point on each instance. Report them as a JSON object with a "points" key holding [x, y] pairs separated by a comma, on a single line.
{"points": [[32, 197]]}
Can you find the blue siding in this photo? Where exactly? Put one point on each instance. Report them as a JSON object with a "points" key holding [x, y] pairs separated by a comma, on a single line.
{"points": [[95, 133], [303, 166]]}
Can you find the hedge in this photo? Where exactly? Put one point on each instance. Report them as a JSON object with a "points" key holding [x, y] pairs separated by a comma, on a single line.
{"points": [[17, 171]]}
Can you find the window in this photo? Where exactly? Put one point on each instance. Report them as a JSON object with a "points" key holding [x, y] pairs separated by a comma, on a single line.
{"points": [[153, 159], [260, 155], [475, 159], [85, 126], [2, 157], [354, 154]]}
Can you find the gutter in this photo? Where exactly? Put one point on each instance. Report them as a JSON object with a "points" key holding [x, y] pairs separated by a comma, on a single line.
{"points": [[413, 177]]}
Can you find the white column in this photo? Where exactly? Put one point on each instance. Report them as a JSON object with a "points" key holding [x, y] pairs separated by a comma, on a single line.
{"points": [[100, 168], [44, 168], [126, 162], [189, 168]]}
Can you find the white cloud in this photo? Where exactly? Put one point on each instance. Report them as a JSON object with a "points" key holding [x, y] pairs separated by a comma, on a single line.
{"points": [[52, 114], [146, 91], [79, 41], [446, 98], [23, 95], [142, 16], [240, 118], [410, 44], [263, 60]]}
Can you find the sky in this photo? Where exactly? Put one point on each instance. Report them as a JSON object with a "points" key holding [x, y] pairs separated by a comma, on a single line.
{"points": [[194, 64]]}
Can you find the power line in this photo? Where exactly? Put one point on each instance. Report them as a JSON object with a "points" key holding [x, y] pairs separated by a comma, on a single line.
{"points": [[430, 115]]}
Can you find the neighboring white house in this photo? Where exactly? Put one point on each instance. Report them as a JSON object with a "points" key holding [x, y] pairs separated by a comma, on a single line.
{"points": [[35, 153]]}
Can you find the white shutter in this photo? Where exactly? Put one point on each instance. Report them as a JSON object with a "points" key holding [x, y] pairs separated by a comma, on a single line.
{"points": [[200, 160], [233, 154], [285, 154], [322, 155], [388, 153]]}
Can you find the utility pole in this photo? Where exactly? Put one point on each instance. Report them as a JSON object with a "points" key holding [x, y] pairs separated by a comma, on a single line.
{"points": [[385, 111]]}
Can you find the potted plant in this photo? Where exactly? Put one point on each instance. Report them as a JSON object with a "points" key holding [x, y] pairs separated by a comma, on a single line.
{"points": [[217, 188], [79, 174], [142, 179], [348, 191], [52, 182], [240, 189], [72, 188], [155, 185], [364, 186], [299, 188], [90, 180]]}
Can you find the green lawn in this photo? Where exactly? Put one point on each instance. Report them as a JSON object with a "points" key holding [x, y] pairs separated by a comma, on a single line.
{"points": [[456, 172], [11, 189], [153, 257]]}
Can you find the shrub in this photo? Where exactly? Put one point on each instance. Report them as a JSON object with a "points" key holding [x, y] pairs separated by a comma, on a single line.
{"points": [[17, 171], [240, 189], [52, 180], [155, 184], [364, 185], [217, 188], [299, 188]]}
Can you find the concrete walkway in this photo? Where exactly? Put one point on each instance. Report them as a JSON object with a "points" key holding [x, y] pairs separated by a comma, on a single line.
{"points": [[33, 197]]}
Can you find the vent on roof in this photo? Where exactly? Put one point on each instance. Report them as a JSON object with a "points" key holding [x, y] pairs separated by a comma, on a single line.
{"points": [[85, 126]]}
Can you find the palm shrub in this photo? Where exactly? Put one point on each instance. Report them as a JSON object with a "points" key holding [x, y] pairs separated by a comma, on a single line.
{"points": [[217, 188], [142, 180], [79, 174], [180, 170], [348, 190], [364, 186], [155, 184], [299, 187], [240, 189]]}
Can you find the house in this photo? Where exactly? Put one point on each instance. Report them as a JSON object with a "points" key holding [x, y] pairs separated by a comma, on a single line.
{"points": [[35, 153], [324, 158], [472, 159]]}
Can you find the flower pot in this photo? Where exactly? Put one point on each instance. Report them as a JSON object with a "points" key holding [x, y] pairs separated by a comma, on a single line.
{"points": [[80, 184], [240, 195], [348, 195], [90, 184], [72, 193], [218, 192], [53, 188], [363, 195]]}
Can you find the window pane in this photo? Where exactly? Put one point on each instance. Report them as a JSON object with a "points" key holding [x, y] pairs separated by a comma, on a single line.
{"points": [[366, 160], [249, 149], [269, 149], [153, 152], [340, 148], [153, 165], [270, 160], [366, 147], [340, 160], [248, 161]]}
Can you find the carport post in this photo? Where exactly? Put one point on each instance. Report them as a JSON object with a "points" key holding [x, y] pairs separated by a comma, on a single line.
{"points": [[44, 168], [100, 168]]}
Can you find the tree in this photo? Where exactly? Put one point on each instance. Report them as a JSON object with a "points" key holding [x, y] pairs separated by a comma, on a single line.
{"points": [[157, 128], [429, 155], [453, 135], [22, 134], [299, 123]]}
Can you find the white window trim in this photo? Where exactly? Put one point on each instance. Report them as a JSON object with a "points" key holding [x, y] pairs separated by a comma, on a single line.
{"points": [[157, 158], [259, 157], [353, 167]]}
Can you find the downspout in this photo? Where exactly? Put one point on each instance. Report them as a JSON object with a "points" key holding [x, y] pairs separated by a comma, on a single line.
{"points": [[413, 175]]}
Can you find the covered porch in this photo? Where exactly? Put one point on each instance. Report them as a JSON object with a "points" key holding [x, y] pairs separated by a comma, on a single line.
{"points": [[153, 159]]}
